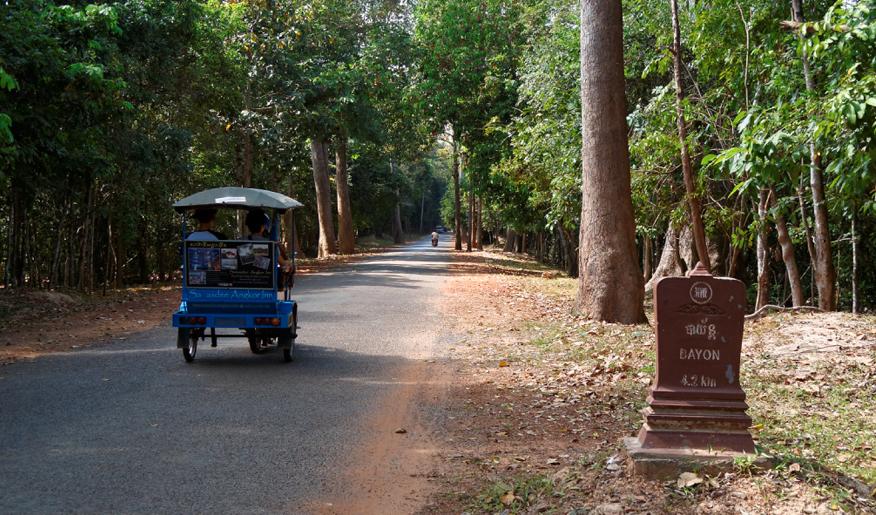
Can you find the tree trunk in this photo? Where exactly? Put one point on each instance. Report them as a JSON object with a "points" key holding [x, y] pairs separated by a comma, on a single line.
{"points": [[646, 258], [510, 238], [292, 244], [479, 226], [14, 273], [246, 166], [319, 160], [570, 254], [693, 199], [854, 264], [346, 243], [825, 274], [422, 208], [797, 297], [763, 274], [457, 232], [398, 232], [610, 282], [670, 264], [810, 247], [469, 234]]}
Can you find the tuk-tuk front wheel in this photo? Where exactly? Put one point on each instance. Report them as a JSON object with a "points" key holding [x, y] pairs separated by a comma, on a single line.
{"points": [[189, 341]]}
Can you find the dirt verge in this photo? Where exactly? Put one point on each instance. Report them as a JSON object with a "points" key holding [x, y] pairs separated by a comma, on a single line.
{"points": [[543, 398]]}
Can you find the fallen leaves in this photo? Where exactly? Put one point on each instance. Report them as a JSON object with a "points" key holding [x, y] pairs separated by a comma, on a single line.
{"points": [[576, 386], [687, 480]]}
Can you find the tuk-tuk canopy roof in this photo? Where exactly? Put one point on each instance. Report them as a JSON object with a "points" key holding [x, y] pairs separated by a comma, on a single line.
{"points": [[237, 198]]}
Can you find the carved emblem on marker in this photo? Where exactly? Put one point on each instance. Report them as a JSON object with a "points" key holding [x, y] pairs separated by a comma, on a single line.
{"points": [[701, 293]]}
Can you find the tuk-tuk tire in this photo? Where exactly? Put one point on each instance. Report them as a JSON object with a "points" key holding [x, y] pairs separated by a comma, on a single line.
{"points": [[255, 344], [287, 340], [191, 347], [288, 352]]}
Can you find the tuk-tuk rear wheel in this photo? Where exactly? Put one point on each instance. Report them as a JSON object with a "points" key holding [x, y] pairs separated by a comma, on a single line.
{"points": [[255, 344], [191, 348], [289, 350], [287, 342]]}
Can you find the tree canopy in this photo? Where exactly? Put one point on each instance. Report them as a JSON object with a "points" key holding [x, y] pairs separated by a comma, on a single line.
{"points": [[110, 110]]}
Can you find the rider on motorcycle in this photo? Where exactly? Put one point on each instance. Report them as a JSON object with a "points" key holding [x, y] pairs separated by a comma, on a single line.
{"points": [[434, 239]]}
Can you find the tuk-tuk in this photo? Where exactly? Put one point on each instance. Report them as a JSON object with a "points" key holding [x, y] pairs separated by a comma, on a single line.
{"points": [[234, 283]]}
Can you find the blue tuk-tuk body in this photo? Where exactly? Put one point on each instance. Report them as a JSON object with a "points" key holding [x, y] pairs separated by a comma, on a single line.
{"points": [[234, 284]]}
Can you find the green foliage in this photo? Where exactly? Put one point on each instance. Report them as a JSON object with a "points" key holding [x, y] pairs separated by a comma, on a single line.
{"points": [[109, 111]]}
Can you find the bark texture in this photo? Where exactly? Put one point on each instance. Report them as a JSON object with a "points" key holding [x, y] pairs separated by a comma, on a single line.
{"points": [[763, 274], [646, 258], [670, 264], [696, 217], [457, 230], [398, 232], [479, 226], [346, 242], [292, 244], [469, 234], [319, 160], [510, 239], [610, 284], [788, 256]]}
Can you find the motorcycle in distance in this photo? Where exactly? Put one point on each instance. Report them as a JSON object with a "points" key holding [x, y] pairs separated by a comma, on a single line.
{"points": [[434, 239]]}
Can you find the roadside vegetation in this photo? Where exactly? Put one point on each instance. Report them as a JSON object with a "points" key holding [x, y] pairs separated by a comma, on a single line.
{"points": [[546, 395]]}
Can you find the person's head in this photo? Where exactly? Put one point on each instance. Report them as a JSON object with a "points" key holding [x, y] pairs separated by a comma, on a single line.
{"points": [[205, 217], [256, 221]]}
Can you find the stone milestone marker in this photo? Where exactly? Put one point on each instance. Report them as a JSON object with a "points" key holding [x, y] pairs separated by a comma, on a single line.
{"points": [[695, 417]]}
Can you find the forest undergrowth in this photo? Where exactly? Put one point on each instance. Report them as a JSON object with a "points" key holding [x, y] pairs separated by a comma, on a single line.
{"points": [[546, 397]]}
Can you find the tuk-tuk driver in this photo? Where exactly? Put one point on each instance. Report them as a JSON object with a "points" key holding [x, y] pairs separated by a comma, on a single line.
{"points": [[258, 223], [206, 218]]}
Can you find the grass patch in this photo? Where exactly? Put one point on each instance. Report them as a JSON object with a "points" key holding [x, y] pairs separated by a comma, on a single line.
{"points": [[513, 496], [828, 428]]}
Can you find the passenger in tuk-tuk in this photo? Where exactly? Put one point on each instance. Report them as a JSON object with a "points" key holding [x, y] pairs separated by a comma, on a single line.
{"points": [[206, 218], [258, 223]]}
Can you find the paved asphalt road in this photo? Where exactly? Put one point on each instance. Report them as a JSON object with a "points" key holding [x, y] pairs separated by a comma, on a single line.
{"points": [[131, 427]]}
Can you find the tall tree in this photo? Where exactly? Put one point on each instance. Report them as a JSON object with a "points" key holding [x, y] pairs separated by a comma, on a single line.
{"points": [[319, 159], [457, 220], [610, 284], [693, 198], [346, 241], [825, 274]]}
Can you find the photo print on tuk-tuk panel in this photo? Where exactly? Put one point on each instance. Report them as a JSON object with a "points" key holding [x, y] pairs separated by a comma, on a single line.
{"points": [[204, 259], [262, 256], [245, 254], [197, 278], [229, 259]]}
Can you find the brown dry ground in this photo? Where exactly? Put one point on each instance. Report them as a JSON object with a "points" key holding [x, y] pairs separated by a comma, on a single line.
{"points": [[542, 399]]}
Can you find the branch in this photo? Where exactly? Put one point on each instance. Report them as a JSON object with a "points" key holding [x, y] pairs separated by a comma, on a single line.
{"points": [[808, 28], [760, 312]]}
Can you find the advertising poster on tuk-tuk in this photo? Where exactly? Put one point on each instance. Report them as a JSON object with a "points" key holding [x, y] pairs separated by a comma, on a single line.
{"points": [[229, 264]]}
